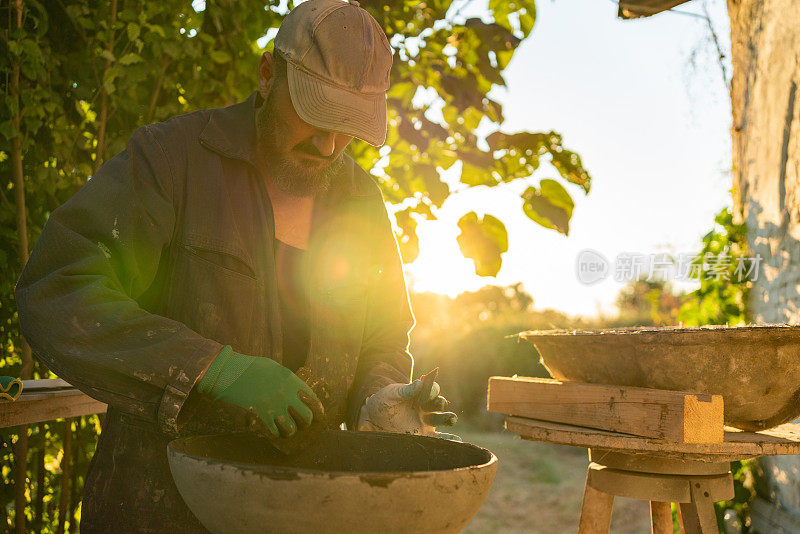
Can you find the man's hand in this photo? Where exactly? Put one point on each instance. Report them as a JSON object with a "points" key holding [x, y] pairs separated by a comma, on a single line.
{"points": [[264, 387], [415, 408]]}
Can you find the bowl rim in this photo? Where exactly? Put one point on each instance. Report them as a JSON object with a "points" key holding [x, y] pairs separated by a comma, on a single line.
{"points": [[663, 331], [296, 471]]}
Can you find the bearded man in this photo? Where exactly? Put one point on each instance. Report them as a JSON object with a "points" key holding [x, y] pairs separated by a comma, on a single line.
{"points": [[233, 269]]}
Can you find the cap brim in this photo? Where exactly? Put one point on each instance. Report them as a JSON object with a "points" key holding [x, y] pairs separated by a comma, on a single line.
{"points": [[333, 108]]}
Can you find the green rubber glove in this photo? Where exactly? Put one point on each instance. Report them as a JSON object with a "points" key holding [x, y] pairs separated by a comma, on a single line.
{"points": [[263, 386]]}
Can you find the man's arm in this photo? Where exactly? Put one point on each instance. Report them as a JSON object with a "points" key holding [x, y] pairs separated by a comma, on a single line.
{"points": [[384, 357], [77, 296]]}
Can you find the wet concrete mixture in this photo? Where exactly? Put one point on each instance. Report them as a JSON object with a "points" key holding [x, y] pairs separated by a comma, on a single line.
{"points": [[339, 451]]}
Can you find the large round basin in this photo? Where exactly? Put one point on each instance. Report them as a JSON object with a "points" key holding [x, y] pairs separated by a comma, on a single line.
{"points": [[353, 482], [756, 368]]}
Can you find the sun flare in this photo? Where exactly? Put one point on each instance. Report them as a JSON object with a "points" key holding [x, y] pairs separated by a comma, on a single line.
{"points": [[440, 266]]}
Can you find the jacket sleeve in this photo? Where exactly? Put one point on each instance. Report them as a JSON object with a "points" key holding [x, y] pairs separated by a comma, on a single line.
{"points": [[77, 296], [384, 357]]}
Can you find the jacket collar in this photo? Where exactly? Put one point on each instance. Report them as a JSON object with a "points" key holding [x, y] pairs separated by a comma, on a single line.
{"points": [[231, 132]]}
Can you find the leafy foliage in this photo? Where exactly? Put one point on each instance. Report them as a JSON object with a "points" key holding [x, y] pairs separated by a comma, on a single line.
{"points": [[743, 492], [483, 241], [724, 272], [406, 235], [550, 205], [646, 302], [722, 295], [444, 68]]}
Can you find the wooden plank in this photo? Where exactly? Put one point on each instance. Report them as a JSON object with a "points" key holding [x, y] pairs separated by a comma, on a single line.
{"points": [[675, 416], [38, 394], [659, 487], [738, 445], [648, 463], [45, 384], [36, 407]]}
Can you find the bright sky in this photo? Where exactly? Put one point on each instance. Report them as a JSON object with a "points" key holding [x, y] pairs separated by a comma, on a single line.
{"points": [[652, 130]]}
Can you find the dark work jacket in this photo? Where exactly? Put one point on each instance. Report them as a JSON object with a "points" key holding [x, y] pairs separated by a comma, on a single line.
{"points": [[163, 257]]}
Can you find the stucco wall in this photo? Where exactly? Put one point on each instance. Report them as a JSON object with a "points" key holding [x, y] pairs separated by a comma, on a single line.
{"points": [[765, 39], [766, 147]]}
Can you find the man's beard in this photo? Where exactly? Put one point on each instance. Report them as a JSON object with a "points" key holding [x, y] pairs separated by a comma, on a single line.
{"points": [[288, 174]]}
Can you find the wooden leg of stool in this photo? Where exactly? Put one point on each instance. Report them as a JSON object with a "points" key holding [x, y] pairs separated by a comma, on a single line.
{"points": [[660, 518], [680, 518], [699, 516], [596, 511]]}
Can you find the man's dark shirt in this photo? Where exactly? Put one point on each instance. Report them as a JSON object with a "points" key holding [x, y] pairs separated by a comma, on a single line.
{"points": [[165, 256], [292, 273]]}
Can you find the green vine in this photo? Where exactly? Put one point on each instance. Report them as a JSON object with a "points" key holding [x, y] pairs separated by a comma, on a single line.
{"points": [[725, 272]]}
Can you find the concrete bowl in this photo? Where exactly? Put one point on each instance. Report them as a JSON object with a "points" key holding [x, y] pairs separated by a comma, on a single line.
{"points": [[353, 482], [756, 368]]}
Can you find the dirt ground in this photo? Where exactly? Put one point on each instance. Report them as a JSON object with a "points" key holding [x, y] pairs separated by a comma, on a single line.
{"points": [[539, 487]]}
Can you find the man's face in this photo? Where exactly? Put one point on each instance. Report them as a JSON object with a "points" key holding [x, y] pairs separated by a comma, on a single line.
{"points": [[301, 159]]}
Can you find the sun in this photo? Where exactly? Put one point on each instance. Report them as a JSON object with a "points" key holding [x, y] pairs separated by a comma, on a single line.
{"points": [[440, 267]]}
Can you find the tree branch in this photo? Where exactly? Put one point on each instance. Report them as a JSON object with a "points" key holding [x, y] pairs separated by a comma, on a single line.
{"points": [[720, 53], [101, 129], [157, 91]]}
